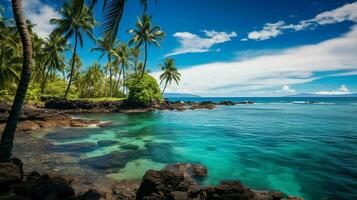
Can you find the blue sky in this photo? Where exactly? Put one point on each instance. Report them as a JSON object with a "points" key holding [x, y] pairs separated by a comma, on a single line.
{"points": [[241, 48]]}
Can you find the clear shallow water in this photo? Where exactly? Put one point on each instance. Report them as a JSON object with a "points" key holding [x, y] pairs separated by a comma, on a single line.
{"points": [[307, 150]]}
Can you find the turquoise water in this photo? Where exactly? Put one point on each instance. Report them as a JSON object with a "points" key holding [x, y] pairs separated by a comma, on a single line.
{"points": [[307, 150]]}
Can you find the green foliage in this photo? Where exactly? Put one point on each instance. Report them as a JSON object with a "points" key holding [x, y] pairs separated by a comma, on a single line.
{"points": [[143, 91], [57, 87]]}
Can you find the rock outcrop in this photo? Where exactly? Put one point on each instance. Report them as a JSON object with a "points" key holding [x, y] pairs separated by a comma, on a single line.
{"points": [[177, 182], [33, 118]]}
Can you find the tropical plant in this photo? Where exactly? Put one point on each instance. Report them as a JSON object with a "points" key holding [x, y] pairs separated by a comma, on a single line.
{"points": [[170, 73], [136, 54], [7, 138], [122, 55], [113, 12], [105, 45], [146, 34], [76, 20], [54, 47], [143, 91], [92, 81]]}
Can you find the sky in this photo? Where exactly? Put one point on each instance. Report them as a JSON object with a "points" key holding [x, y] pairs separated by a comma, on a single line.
{"points": [[239, 47]]}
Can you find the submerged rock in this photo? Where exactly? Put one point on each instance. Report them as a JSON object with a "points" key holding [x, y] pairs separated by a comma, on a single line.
{"points": [[113, 161], [73, 147], [129, 147], [106, 143]]}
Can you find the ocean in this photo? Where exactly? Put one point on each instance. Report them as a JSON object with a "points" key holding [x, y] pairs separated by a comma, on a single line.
{"points": [[304, 147]]}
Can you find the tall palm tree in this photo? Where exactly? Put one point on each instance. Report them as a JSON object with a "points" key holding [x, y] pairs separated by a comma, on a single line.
{"points": [[122, 56], [170, 73], [7, 138], [104, 46], [54, 47], [76, 20], [78, 64], [145, 33]]}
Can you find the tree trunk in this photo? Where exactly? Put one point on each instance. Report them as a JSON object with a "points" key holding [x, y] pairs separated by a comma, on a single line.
{"points": [[110, 77], [7, 139], [73, 62], [164, 88], [123, 78], [146, 57], [117, 86], [44, 82]]}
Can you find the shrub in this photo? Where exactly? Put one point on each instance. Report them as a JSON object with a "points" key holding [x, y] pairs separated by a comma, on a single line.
{"points": [[143, 91]]}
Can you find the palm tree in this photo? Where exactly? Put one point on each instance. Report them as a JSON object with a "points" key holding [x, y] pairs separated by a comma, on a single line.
{"points": [[92, 79], [77, 19], [122, 55], [10, 62], [105, 45], [78, 64], [146, 34], [7, 138], [136, 54], [170, 73], [54, 47]]}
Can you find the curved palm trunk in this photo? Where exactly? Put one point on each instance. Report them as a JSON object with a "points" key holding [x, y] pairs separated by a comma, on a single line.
{"points": [[110, 77], [72, 65], [163, 91], [7, 138], [44, 82], [146, 57]]}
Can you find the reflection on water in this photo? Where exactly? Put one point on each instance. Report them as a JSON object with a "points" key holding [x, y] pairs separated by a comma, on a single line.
{"points": [[302, 150]]}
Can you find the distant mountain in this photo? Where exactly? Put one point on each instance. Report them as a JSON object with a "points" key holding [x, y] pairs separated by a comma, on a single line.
{"points": [[322, 95], [175, 95]]}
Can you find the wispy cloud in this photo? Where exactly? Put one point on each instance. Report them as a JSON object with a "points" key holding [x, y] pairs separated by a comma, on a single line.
{"points": [[341, 90], [267, 72], [348, 12], [40, 14], [192, 43]]}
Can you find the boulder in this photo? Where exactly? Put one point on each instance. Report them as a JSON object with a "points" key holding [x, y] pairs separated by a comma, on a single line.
{"points": [[9, 174], [160, 184], [189, 170], [230, 190], [89, 195], [44, 187]]}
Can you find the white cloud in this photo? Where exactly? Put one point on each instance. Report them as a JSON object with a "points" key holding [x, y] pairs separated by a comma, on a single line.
{"points": [[270, 30], [287, 67], [348, 12], [342, 90], [286, 89], [40, 14], [192, 43]]}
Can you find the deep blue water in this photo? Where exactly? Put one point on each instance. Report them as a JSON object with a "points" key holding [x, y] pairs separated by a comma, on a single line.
{"points": [[307, 150]]}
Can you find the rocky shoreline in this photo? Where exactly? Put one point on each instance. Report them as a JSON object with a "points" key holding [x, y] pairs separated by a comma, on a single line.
{"points": [[174, 182]]}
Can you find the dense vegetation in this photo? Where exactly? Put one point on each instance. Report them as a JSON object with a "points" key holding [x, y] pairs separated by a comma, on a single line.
{"points": [[54, 74]]}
